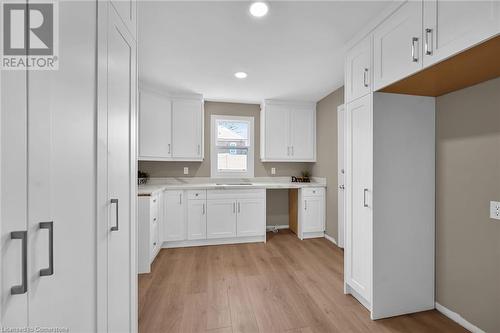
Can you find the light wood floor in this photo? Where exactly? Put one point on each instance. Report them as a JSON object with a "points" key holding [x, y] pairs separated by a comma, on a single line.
{"points": [[285, 285]]}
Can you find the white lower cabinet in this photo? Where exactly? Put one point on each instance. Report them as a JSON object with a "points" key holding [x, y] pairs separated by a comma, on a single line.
{"points": [[311, 216], [221, 221], [251, 218], [196, 215], [174, 226], [149, 220]]}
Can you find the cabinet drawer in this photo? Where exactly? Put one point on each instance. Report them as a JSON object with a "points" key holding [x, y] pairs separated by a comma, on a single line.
{"points": [[197, 194], [313, 192], [236, 194]]}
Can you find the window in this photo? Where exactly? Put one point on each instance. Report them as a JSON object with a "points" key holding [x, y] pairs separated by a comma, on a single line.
{"points": [[232, 146]]}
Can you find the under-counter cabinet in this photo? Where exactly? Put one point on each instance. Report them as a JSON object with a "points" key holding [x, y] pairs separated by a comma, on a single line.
{"points": [[197, 215], [174, 225], [149, 213], [170, 127], [358, 69], [307, 212], [288, 131]]}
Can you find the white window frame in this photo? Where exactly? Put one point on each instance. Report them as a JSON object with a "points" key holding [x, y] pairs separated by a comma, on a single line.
{"points": [[213, 151]]}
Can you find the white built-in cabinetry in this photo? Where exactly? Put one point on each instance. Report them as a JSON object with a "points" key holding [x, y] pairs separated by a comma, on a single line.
{"points": [[170, 127], [149, 213], [311, 213], [358, 70], [288, 131], [203, 217]]}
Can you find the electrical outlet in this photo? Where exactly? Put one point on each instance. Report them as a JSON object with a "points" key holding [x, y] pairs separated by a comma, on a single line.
{"points": [[495, 210], [273, 171], [186, 170]]}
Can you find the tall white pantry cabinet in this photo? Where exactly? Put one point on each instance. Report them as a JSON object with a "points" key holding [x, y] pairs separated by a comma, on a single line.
{"points": [[58, 149]]}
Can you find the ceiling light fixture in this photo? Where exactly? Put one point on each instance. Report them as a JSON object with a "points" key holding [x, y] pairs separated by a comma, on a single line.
{"points": [[258, 9], [240, 75]]}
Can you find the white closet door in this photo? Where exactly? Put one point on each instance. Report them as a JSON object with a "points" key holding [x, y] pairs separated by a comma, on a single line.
{"points": [[453, 26], [61, 172], [13, 196], [121, 110], [359, 219], [397, 45], [303, 134], [155, 126], [277, 132], [186, 129]]}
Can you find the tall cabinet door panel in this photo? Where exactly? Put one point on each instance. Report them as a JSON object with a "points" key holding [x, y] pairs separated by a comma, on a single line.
{"points": [[251, 217], [277, 135], [221, 218], [359, 221], [155, 125], [13, 196], [186, 128], [197, 219], [302, 134], [397, 45], [453, 26], [358, 69], [174, 221]]}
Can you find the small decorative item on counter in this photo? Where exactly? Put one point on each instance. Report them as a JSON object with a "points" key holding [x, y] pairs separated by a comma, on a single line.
{"points": [[142, 177], [304, 179]]}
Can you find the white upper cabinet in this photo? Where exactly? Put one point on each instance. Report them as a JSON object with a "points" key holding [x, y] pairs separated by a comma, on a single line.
{"points": [[397, 45], [155, 125], [170, 127], [187, 131], [358, 70], [288, 132], [453, 26]]}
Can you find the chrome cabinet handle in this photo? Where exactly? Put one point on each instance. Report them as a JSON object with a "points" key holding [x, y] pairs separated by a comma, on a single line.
{"points": [[50, 227], [288, 151], [342, 187], [203, 210], [305, 204], [169, 148], [115, 227], [365, 77], [198, 149], [364, 197], [414, 56], [428, 46], [234, 207], [292, 151], [239, 208], [23, 287], [180, 198]]}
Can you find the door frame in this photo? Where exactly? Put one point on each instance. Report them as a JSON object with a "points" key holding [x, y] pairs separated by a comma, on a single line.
{"points": [[341, 165], [104, 10]]}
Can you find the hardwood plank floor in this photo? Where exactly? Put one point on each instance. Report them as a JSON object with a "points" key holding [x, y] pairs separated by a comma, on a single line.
{"points": [[285, 285]]}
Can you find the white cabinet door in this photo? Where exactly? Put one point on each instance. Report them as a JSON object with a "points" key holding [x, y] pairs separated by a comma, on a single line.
{"points": [[277, 132], [359, 212], [127, 9], [397, 45], [358, 70], [187, 129], [221, 218], [453, 26], [314, 214], [303, 134], [251, 217], [155, 126], [197, 220], [174, 222]]}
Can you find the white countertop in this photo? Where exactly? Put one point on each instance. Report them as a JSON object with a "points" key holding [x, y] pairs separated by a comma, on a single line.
{"points": [[202, 183]]}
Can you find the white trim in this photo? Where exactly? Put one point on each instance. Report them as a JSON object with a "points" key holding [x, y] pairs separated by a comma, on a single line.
{"points": [[331, 239], [213, 149], [458, 319], [349, 290], [220, 241], [277, 227], [312, 234]]}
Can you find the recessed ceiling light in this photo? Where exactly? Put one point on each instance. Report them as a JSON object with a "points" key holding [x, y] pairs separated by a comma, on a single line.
{"points": [[258, 9], [240, 75]]}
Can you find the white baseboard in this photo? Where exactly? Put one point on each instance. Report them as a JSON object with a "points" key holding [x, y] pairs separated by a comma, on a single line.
{"points": [[331, 239], [277, 227], [458, 319], [218, 241]]}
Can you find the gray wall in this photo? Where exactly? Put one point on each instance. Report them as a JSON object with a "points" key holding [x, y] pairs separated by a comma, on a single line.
{"points": [[277, 201], [467, 178], [326, 165]]}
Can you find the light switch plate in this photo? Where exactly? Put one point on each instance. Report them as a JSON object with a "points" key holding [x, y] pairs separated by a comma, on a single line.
{"points": [[495, 210], [186, 170], [273, 171]]}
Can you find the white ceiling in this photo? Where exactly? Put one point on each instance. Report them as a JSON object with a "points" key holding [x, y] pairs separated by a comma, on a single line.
{"points": [[295, 52]]}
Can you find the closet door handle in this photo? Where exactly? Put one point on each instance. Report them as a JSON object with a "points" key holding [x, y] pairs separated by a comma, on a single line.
{"points": [[23, 287], [414, 56], [364, 197], [203, 210], [365, 77], [428, 49], [49, 226], [239, 208], [115, 227]]}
